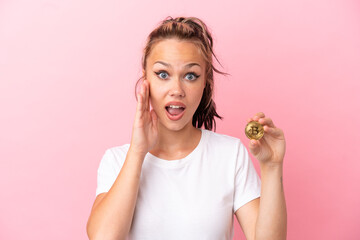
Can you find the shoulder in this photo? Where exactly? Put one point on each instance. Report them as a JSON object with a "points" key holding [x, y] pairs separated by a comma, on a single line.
{"points": [[119, 151], [116, 155]]}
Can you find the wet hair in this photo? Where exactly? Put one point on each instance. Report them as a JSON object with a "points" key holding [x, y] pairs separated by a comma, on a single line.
{"points": [[194, 30]]}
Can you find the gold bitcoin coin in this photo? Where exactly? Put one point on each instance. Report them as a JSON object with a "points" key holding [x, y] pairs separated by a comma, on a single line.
{"points": [[254, 130]]}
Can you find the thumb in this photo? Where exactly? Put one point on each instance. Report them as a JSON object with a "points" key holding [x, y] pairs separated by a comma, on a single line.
{"points": [[254, 146], [154, 118]]}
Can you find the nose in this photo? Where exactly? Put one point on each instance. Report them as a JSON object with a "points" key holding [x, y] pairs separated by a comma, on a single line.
{"points": [[177, 88]]}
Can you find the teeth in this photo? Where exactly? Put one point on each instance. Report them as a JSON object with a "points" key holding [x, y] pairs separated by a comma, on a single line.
{"points": [[174, 106]]}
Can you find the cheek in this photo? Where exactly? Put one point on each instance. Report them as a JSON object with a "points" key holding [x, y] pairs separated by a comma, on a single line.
{"points": [[154, 95], [158, 90], [199, 94]]}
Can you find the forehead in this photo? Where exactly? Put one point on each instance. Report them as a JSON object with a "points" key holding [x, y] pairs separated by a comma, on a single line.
{"points": [[175, 51]]}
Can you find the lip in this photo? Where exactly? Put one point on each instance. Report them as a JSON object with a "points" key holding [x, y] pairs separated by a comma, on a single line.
{"points": [[175, 103]]}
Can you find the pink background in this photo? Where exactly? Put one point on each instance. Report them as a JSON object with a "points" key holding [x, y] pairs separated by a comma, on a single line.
{"points": [[67, 76]]}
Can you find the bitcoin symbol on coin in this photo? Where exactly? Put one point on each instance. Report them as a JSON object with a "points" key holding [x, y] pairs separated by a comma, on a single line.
{"points": [[254, 130]]}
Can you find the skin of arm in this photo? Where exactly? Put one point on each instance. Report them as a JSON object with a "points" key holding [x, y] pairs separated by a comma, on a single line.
{"points": [[272, 218], [266, 217], [112, 212]]}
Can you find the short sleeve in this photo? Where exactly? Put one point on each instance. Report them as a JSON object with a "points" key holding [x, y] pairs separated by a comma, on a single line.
{"points": [[107, 172], [247, 181]]}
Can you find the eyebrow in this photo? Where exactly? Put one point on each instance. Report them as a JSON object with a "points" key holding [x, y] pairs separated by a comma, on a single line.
{"points": [[187, 65]]}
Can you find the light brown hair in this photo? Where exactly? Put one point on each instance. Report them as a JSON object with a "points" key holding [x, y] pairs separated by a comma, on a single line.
{"points": [[194, 30]]}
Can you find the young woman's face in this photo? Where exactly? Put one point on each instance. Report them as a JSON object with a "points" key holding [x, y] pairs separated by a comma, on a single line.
{"points": [[176, 73]]}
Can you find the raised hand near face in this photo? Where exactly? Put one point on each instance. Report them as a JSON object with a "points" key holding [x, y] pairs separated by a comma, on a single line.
{"points": [[145, 130]]}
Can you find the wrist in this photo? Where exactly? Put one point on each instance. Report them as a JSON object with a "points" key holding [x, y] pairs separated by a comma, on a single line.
{"points": [[135, 152], [278, 165]]}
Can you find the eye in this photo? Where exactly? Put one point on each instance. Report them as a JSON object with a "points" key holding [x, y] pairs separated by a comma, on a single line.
{"points": [[161, 74], [164, 75], [194, 76]]}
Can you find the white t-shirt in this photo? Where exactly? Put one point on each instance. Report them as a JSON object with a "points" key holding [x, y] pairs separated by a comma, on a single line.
{"points": [[190, 198]]}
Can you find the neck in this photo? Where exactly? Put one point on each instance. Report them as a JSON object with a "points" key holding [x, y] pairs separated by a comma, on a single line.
{"points": [[171, 142]]}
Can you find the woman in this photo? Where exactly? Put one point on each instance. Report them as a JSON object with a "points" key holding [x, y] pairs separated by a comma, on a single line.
{"points": [[176, 180]]}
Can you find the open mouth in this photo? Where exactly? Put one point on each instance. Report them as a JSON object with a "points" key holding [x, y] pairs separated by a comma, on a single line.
{"points": [[174, 111]]}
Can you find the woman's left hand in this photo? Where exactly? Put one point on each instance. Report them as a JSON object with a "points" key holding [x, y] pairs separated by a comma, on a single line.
{"points": [[270, 149]]}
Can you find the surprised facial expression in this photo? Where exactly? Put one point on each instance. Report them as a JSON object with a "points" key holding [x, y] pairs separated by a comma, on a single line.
{"points": [[176, 73]]}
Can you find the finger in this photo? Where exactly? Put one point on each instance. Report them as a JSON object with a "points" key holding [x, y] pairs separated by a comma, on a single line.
{"points": [[266, 121], [259, 115], [154, 119], [140, 105], [273, 131], [139, 101], [143, 93], [150, 104], [146, 84], [254, 147]]}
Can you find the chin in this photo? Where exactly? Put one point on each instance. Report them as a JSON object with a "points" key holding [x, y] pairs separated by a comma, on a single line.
{"points": [[175, 126]]}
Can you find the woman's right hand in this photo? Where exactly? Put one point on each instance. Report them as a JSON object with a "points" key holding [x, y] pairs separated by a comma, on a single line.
{"points": [[145, 129]]}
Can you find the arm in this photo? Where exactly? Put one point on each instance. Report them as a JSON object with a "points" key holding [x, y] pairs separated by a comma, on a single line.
{"points": [[266, 217], [272, 218], [112, 212]]}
